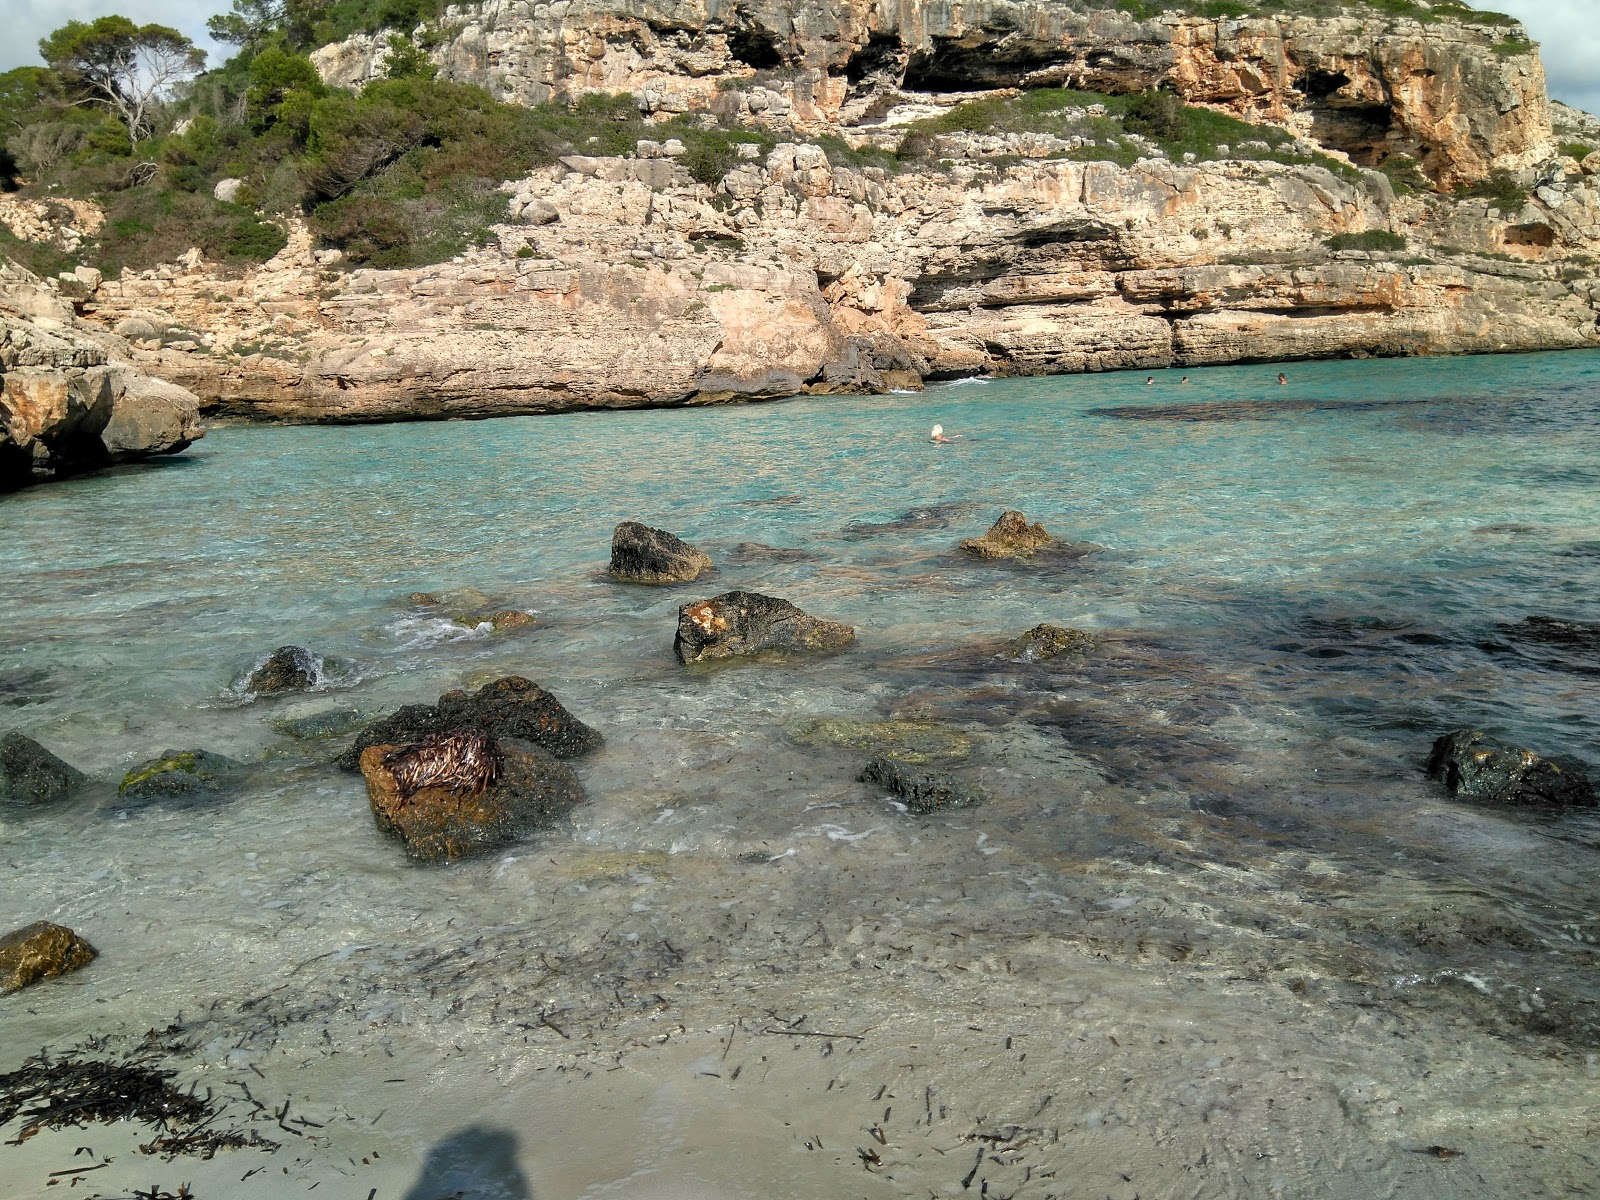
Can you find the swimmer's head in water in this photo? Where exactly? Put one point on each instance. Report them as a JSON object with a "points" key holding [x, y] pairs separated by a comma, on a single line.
{"points": [[938, 431]]}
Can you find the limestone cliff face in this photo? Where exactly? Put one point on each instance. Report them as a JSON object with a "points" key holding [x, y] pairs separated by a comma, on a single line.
{"points": [[620, 282], [65, 406], [1461, 96]]}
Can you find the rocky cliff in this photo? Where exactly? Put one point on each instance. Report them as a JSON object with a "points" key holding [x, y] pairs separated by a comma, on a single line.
{"points": [[622, 281], [1461, 92], [66, 405]]}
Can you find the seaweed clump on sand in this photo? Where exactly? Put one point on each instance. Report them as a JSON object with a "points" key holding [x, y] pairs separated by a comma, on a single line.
{"points": [[76, 1090]]}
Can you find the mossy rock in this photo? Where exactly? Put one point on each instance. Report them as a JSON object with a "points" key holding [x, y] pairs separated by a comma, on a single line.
{"points": [[1047, 641], [327, 723], [906, 741], [470, 608], [180, 773], [39, 951]]}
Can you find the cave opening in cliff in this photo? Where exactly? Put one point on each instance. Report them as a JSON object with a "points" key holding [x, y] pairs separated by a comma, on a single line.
{"points": [[755, 48], [1536, 235], [1319, 84], [877, 63], [1360, 130], [953, 65]]}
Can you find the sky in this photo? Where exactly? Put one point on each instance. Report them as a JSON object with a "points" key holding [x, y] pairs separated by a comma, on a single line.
{"points": [[1567, 29]]}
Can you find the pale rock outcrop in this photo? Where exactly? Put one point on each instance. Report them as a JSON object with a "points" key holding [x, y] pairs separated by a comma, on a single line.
{"points": [[65, 404], [1461, 93]]}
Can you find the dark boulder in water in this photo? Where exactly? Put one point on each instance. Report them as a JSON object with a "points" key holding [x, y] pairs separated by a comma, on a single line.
{"points": [[39, 951], [640, 554], [923, 793], [30, 774], [512, 707], [181, 775], [1046, 641], [1012, 537], [736, 624], [1552, 631], [1470, 763], [460, 794], [287, 669]]}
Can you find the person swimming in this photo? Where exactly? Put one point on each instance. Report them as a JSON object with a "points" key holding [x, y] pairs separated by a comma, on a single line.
{"points": [[1149, 379], [938, 435], [1282, 378]]}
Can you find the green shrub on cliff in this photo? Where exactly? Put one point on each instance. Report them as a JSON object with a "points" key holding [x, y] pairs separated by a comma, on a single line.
{"points": [[1370, 239]]}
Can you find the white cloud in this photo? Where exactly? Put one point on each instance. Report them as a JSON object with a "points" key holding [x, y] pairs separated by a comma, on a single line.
{"points": [[1567, 29], [30, 20], [1569, 38]]}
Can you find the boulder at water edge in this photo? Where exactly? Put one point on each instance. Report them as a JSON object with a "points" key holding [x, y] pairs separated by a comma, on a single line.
{"points": [[1470, 763], [287, 669], [1046, 641], [923, 793], [30, 774], [742, 623], [39, 951], [640, 554], [181, 775], [1012, 537], [464, 793], [512, 707]]}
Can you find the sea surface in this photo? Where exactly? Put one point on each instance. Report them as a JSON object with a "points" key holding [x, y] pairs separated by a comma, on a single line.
{"points": [[1213, 933]]}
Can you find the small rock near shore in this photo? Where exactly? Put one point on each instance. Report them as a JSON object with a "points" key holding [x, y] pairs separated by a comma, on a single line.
{"points": [[1470, 763], [1011, 537], [464, 793], [287, 669], [735, 624], [511, 707], [640, 554], [180, 774], [31, 774], [1046, 641], [923, 793], [39, 951]]}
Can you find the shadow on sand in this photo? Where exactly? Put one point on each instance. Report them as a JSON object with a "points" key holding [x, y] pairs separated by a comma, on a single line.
{"points": [[475, 1163]]}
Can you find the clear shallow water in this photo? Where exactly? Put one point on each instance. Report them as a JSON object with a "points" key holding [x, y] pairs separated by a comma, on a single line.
{"points": [[1212, 828]]}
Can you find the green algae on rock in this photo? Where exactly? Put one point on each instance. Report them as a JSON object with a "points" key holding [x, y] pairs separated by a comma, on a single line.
{"points": [[180, 773], [1046, 641], [31, 774], [908, 741], [39, 951]]}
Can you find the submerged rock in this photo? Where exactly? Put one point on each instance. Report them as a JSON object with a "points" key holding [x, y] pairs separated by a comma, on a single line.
{"points": [[31, 774], [905, 741], [39, 951], [460, 794], [324, 723], [1046, 641], [933, 516], [640, 554], [1552, 631], [756, 552], [735, 624], [1470, 763], [512, 707], [180, 774], [472, 609], [287, 669], [923, 793], [1012, 537]]}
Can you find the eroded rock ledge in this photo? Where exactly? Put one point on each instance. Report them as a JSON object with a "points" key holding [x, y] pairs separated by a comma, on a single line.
{"points": [[794, 275]]}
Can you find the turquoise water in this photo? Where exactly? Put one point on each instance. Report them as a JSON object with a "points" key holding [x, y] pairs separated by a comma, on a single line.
{"points": [[1300, 588]]}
